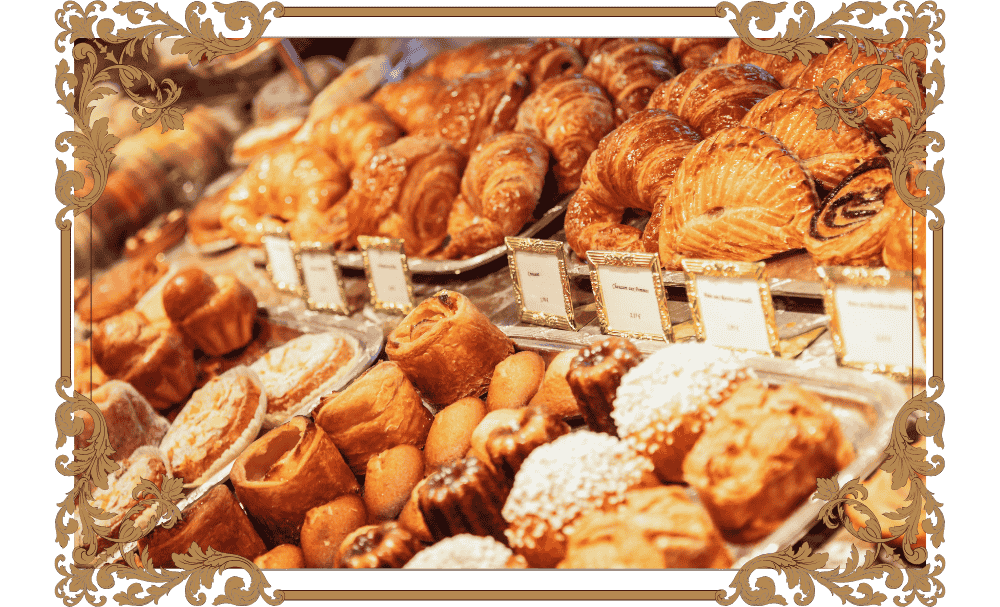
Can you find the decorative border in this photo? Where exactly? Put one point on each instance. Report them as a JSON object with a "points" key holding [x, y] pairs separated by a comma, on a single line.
{"points": [[541, 247], [308, 248], [631, 260], [92, 143], [393, 245]]}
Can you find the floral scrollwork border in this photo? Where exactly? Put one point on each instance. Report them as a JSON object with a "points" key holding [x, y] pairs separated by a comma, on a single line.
{"points": [[100, 53]]}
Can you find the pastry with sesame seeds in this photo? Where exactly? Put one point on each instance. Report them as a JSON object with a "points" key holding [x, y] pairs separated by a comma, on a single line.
{"points": [[463, 551]]}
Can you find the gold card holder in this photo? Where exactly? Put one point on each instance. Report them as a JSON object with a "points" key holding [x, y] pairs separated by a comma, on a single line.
{"points": [[628, 288], [731, 305], [279, 253], [322, 282], [388, 274], [875, 320], [541, 283]]}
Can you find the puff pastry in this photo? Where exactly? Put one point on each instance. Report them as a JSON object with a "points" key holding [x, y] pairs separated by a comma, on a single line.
{"points": [[410, 102], [538, 61], [693, 52], [629, 70], [785, 71], [353, 132]]}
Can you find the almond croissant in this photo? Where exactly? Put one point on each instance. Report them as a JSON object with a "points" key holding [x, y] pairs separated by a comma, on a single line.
{"points": [[629, 70]]}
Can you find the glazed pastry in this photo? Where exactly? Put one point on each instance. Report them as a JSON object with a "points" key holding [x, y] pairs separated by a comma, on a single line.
{"points": [[665, 402], [500, 189], [353, 132], [131, 421], [594, 376], [448, 348], [633, 167], [463, 551], [215, 521], [554, 394], [282, 556], [219, 421], [409, 102], [785, 71], [215, 312], [454, 63], [390, 478], [563, 480], [159, 235], [515, 381], [654, 528], [86, 375], [851, 225], [451, 431], [570, 114], [759, 459], [906, 243], [378, 547], [464, 497], [301, 370], [509, 444], [585, 46], [379, 410], [325, 528], [538, 61], [120, 288], [154, 360], [629, 69], [406, 191], [693, 52], [357, 82], [285, 473], [828, 155], [716, 97], [738, 195], [265, 137]]}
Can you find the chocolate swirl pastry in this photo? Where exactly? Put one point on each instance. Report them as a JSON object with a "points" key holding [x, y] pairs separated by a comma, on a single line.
{"points": [[594, 376], [464, 497]]}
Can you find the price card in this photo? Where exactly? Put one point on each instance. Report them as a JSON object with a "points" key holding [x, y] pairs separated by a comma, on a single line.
{"points": [[541, 283], [731, 305], [628, 288], [874, 320], [279, 251], [388, 274], [322, 284]]}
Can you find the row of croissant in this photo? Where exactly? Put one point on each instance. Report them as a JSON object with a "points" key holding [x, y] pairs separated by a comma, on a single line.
{"points": [[716, 142]]}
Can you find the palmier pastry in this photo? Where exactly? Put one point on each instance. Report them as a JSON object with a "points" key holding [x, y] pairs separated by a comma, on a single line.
{"points": [[215, 312], [325, 528], [501, 186], [285, 473], [665, 402], [353, 132], [265, 137], [759, 459], [828, 155], [633, 167], [515, 381], [301, 370], [693, 52], [406, 191], [539, 61], [906, 243], [570, 114], [410, 102], [851, 225], [448, 348], [215, 521], [383, 546], [563, 480], [653, 528], [463, 551], [282, 556], [464, 496], [629, 69], [219, 421], [454, 63], [594, 376], [738, 195], [131, 421], [378, 411], [716, 97], [785, 71], [554, 393], [510, 443], [120, 288], [154, 360]]}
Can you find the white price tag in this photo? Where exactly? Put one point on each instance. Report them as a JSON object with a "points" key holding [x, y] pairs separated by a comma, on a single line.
{"points": [[388, 273], [541, 284], [629, 292], [281, 262], [322, 284]]}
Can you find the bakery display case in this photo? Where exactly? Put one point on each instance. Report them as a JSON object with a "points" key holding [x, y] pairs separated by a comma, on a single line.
{"points": [[456, 434]]}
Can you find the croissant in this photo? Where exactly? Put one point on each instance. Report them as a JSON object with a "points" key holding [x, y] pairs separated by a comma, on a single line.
{"points": [[570, 114], [500, 189], [736, 51], [455, 63], [883, 106], [629, 70], [537, 61], [692, 52], [410, 101], [352, 133], [585, 46], [716, 97], [406, 191], [828, 155], [632, 168], [738, 195]]}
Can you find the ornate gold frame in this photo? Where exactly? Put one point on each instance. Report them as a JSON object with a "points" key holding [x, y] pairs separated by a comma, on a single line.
{"points": [[693, 268], [630, 259], [543, 247], [281, 285], [394, 245], [308, 248], [93, 144]]}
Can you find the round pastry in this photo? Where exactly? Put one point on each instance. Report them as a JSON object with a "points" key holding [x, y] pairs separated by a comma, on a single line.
{"points": [[492, 421], [153, 359], [594, 376], [554, 394], [463, 497], [301, 370], [508, 445], [325, 528], [515, 380], [390, 478], [451, 431], [448, 348], [215, 312], [131, 421], [378, 547], [759, 459], [218, 422], [664, 403], [653, 528], [463, 551], [286, 472], [120, 288], [379, 410], [282, 556], [561, 481]]}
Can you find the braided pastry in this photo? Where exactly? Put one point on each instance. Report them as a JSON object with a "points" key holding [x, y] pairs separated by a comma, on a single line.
{"points": [[629, 70]]}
